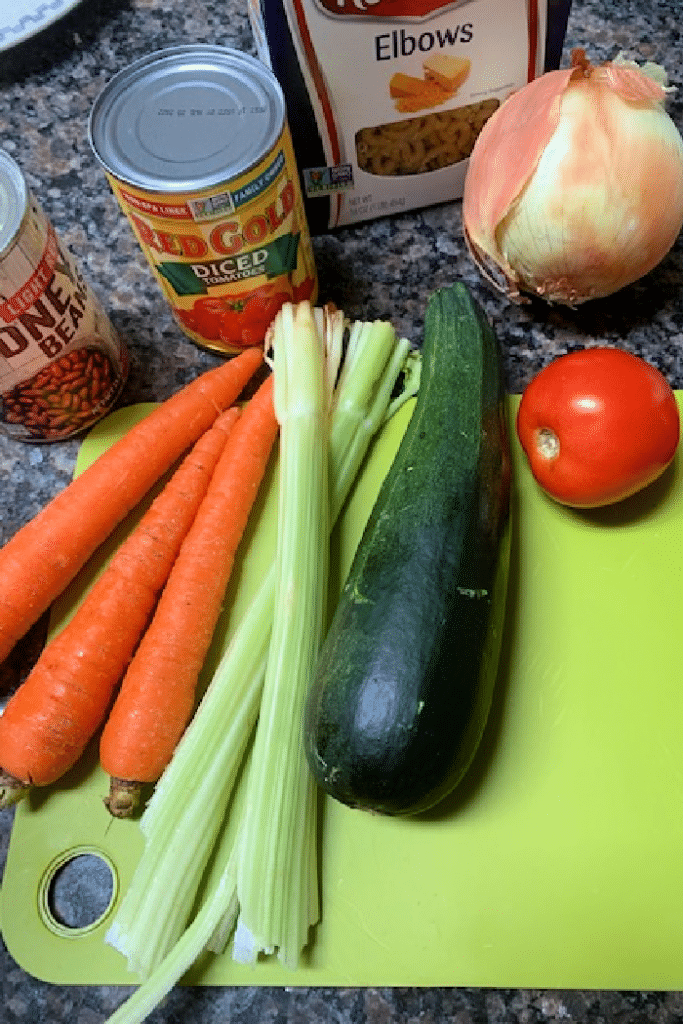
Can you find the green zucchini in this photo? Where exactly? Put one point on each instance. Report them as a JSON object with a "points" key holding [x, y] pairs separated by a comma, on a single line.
{"points": [[405, 680]]}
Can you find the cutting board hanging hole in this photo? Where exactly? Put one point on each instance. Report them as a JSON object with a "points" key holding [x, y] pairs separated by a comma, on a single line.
{"points": [[77, 892]]}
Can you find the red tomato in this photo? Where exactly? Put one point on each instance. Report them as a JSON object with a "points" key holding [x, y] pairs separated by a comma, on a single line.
{"points": [[597, 426]]}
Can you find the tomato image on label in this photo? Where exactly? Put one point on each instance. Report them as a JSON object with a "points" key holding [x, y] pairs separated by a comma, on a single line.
{"points": [[598, 425], [242, 320]]}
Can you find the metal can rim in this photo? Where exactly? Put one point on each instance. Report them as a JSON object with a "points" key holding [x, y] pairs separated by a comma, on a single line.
{"points": [[13, 206], [107, 105]]}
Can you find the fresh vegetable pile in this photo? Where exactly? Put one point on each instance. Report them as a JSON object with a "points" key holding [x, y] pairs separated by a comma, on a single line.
{"points": [[332, 386], [127, 663], [265, 886]]}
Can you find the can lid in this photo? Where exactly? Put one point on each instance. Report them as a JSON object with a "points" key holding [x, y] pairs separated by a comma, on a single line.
{"points": [[186, 118], [13, 200]]}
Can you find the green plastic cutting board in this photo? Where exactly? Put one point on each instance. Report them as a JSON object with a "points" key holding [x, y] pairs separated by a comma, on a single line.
{"points": [[558, 864]]}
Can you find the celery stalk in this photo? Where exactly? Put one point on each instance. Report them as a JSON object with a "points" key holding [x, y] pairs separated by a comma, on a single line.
{"points": [[331, 324], [179, 841], [191, 800], [354, 424], [195, 939], [278, 836]]}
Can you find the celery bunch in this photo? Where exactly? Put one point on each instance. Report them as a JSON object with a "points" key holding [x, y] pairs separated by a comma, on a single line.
{"points": [[277, 834], [333, 390]]}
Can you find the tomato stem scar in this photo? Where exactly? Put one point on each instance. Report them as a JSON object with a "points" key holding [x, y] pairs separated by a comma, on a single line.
{"points": [[547, 443]]}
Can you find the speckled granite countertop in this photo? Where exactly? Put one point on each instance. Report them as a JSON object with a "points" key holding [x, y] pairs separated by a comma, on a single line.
{"points": [[383, 268]]}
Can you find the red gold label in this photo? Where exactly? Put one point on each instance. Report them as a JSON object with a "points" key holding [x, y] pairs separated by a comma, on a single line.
{"points": [[228, 258]]}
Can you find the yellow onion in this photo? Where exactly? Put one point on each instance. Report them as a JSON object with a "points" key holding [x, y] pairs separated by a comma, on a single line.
{"points": [[575, 185]]}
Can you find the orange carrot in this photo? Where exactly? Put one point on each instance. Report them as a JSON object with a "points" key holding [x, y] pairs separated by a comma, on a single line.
{"points": [[65, 698], [45, 554], [157, 695]]}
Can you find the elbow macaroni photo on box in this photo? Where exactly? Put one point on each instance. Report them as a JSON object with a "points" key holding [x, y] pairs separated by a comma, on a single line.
{"points": [[387, 97]]}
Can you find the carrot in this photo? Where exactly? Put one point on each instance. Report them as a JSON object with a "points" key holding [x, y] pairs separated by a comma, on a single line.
{"points": [[65, 698], [157, 695], [44, 555]]}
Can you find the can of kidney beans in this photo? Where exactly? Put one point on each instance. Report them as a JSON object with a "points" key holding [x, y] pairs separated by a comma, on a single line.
{"points": [[62, 365], [196, 147]]}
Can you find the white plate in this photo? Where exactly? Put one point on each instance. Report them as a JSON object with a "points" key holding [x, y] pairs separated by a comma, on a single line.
{"points": [[21, 19]]}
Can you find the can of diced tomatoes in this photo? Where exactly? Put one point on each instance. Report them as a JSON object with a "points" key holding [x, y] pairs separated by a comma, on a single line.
{"points": [[195, 143], [62, 365]]}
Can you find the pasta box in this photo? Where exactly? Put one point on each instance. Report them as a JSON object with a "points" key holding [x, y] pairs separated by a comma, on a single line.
{"points": [[385, 98]]}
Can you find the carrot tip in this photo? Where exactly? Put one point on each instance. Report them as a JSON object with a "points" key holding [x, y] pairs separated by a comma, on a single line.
{"points": [[11, 790], [124, 798]]}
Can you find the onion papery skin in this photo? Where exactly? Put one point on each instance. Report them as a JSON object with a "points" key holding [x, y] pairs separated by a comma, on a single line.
{"points": [[575, 185]]}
